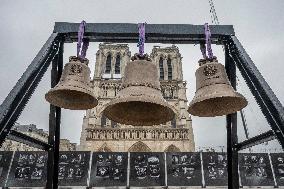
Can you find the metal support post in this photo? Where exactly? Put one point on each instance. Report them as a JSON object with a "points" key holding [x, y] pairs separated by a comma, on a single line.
{"points": [[54, 125], [232, 136], [270, 106]]}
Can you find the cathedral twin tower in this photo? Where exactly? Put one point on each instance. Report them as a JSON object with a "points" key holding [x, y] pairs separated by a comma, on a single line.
{"points": [[103, 135]]}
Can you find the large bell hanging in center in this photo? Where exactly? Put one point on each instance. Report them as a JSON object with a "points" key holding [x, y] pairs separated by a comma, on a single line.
{"points": [[73, 90], [140, 101], [214, 94]]}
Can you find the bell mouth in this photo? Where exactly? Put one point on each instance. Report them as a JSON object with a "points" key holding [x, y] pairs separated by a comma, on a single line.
{"points": [[217, 106], [71, 99], [139, 113]]}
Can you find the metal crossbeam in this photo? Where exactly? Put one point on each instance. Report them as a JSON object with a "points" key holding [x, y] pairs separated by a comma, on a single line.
{"points": [[16, 100], [155, 33], [269, 104], [25, 139], [259, 139]]}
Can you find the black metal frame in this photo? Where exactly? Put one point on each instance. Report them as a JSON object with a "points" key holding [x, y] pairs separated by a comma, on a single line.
{"points": [[52, 51]]}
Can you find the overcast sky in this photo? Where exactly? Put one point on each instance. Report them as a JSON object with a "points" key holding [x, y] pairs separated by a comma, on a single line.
{"points": [[259, 25]]}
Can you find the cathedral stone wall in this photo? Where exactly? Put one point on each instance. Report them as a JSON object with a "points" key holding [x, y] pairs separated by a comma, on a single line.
{"points": [[102, 134]]}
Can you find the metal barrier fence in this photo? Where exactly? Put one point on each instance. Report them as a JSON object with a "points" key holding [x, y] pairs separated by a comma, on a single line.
{"points": [[139, 169]]}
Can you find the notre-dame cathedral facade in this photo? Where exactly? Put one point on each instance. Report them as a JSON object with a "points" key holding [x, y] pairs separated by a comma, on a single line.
{"points": [[104, 135]]}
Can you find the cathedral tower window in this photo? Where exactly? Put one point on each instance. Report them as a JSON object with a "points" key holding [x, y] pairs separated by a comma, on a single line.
{"points": [[108, 64], [170, 70], [117, 65], [161, 66]]}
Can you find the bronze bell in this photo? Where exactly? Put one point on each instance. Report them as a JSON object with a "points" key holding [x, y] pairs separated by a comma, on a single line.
{"points": [[73, 91], [140, 101], [214, 94]]}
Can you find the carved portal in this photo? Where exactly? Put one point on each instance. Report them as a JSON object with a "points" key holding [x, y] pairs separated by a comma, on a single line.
{"points": [[104, 148], [172, 148], [139, 147]]}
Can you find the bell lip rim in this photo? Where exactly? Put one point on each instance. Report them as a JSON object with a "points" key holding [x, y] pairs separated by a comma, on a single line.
{"points": [[243, 100], [110, 105], [238, 95], [52, 91]]}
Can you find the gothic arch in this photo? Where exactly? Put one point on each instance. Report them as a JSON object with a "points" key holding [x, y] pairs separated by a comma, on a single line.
{"points": [[104, 148], [139, 147], [172, 148]]}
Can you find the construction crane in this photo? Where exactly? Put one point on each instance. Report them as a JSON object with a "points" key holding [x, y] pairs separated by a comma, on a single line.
{"points": [[214, 17]]}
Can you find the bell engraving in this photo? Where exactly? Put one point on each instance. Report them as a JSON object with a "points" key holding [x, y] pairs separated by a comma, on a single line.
{"points": [[76, 69], [210, 70]]}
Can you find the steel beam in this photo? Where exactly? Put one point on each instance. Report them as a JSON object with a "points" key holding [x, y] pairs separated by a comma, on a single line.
{"points": [[54, 124], [155, 33], [244, 124], [259, 139], [270, 105], [232, 137], [25, 139], [18, 97], [269, 97]]}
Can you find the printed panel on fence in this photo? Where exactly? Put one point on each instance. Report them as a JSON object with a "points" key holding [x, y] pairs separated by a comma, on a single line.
{"points": [[73, 168], [147, 169], [255, 170], [29, 169], [109, 169], [184, 169], [5, 160], [215, 169], [278, 167]]}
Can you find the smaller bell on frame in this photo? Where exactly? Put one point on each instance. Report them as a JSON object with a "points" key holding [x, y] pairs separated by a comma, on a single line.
{"points": [[214, 94], [140, 101], [73, 91]]}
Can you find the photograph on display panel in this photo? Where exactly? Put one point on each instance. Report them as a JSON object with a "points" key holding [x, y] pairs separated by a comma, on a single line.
{"points": [[29, 169], [109, 169], [215, 168], [73, 168], [255, 169], [184, 169], [147, 169]]}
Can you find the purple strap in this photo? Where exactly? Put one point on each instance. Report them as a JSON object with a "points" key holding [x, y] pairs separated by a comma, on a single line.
{"points": [[84, 48], [208, 40], [85, 42], [141, 41]]}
